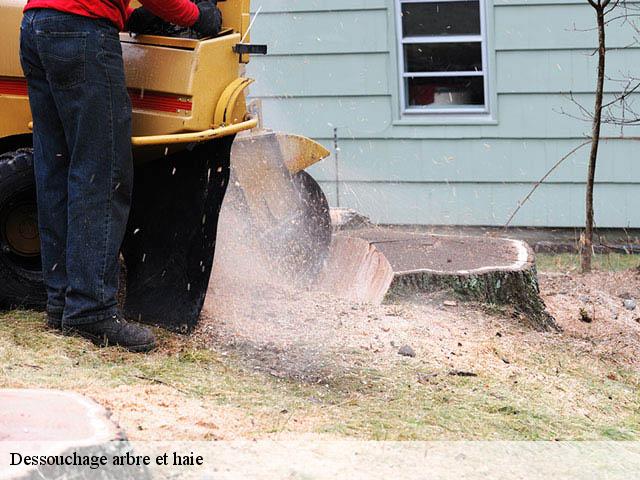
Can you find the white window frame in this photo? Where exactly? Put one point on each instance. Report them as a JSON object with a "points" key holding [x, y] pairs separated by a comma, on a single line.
{"points": [[402, 41]]}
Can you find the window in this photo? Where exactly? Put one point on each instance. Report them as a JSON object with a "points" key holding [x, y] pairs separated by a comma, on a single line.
{"points": [[443, 56]]}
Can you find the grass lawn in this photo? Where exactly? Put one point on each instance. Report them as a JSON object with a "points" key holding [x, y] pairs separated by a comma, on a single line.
{"points": [[570, 262], [548, 388]]}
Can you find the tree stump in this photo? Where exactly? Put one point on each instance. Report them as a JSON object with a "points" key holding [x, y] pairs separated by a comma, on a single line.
{"points": [[65, 425], [374, 265]]}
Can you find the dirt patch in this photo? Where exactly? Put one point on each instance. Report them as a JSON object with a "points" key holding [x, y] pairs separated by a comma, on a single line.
{"points": [[316, 338], [591, 309], [159, 412], [475, 364]]}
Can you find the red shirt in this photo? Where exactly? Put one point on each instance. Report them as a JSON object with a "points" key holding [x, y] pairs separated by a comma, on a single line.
{"points": [[180, 12]]}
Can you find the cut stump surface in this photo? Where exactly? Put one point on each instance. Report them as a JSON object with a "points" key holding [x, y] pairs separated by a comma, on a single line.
{"points": [[371, 265], [51, 423], [53, 416]]}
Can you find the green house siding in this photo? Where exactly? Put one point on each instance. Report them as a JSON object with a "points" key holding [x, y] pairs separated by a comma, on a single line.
{"points": [[333, 63]]}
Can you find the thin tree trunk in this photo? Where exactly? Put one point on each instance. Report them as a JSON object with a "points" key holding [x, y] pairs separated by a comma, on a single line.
{"points": [[586, 243]]}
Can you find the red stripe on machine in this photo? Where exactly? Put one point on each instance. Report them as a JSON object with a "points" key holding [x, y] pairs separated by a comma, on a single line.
{"points": [[13, 86], [140, 100], [158, 101]]}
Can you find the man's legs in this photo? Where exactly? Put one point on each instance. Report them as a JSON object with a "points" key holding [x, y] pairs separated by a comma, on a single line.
{"points": [[97, 118], [82, 60], [51, 160]]}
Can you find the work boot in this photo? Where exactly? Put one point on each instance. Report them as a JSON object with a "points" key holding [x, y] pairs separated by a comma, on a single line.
{"points": [[116, 331]]}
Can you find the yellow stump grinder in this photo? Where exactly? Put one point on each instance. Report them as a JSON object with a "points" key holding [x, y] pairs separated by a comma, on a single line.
{"points": [[189, 106]]}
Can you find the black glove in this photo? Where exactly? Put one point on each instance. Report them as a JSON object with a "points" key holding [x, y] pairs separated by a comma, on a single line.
{"points": [[142, 20], [209, 22]]}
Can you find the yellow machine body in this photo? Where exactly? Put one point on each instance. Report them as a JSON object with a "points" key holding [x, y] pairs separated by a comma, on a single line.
{"points": [[176, 85], [192, 138]]}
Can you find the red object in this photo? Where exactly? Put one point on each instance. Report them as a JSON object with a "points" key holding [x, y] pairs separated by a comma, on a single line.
{"points": [[180, 12], [422, 94], [13, 86], [159, 102]]}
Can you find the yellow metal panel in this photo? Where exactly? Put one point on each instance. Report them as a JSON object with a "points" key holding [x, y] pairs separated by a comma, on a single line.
{"points": [[15, 117], [157, 123], [217, 67], [10, 34], [232, 11], [159, 69], [201, 74], [298, 152]]}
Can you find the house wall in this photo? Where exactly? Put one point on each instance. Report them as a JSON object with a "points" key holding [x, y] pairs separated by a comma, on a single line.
{"points": [[334, 63]]}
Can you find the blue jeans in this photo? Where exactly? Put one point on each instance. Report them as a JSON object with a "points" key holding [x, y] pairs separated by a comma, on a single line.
{"points": [[82, 155]]}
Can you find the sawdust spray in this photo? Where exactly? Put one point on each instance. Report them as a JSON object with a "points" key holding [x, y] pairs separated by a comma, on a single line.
{"points": [[259, 309]]}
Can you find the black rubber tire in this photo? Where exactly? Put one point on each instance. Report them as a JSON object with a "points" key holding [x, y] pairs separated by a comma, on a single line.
{"points": [[21, 282]]}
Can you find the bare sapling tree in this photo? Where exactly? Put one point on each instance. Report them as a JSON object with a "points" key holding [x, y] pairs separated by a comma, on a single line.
{"points": [[618, 110], [586, 239]]}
